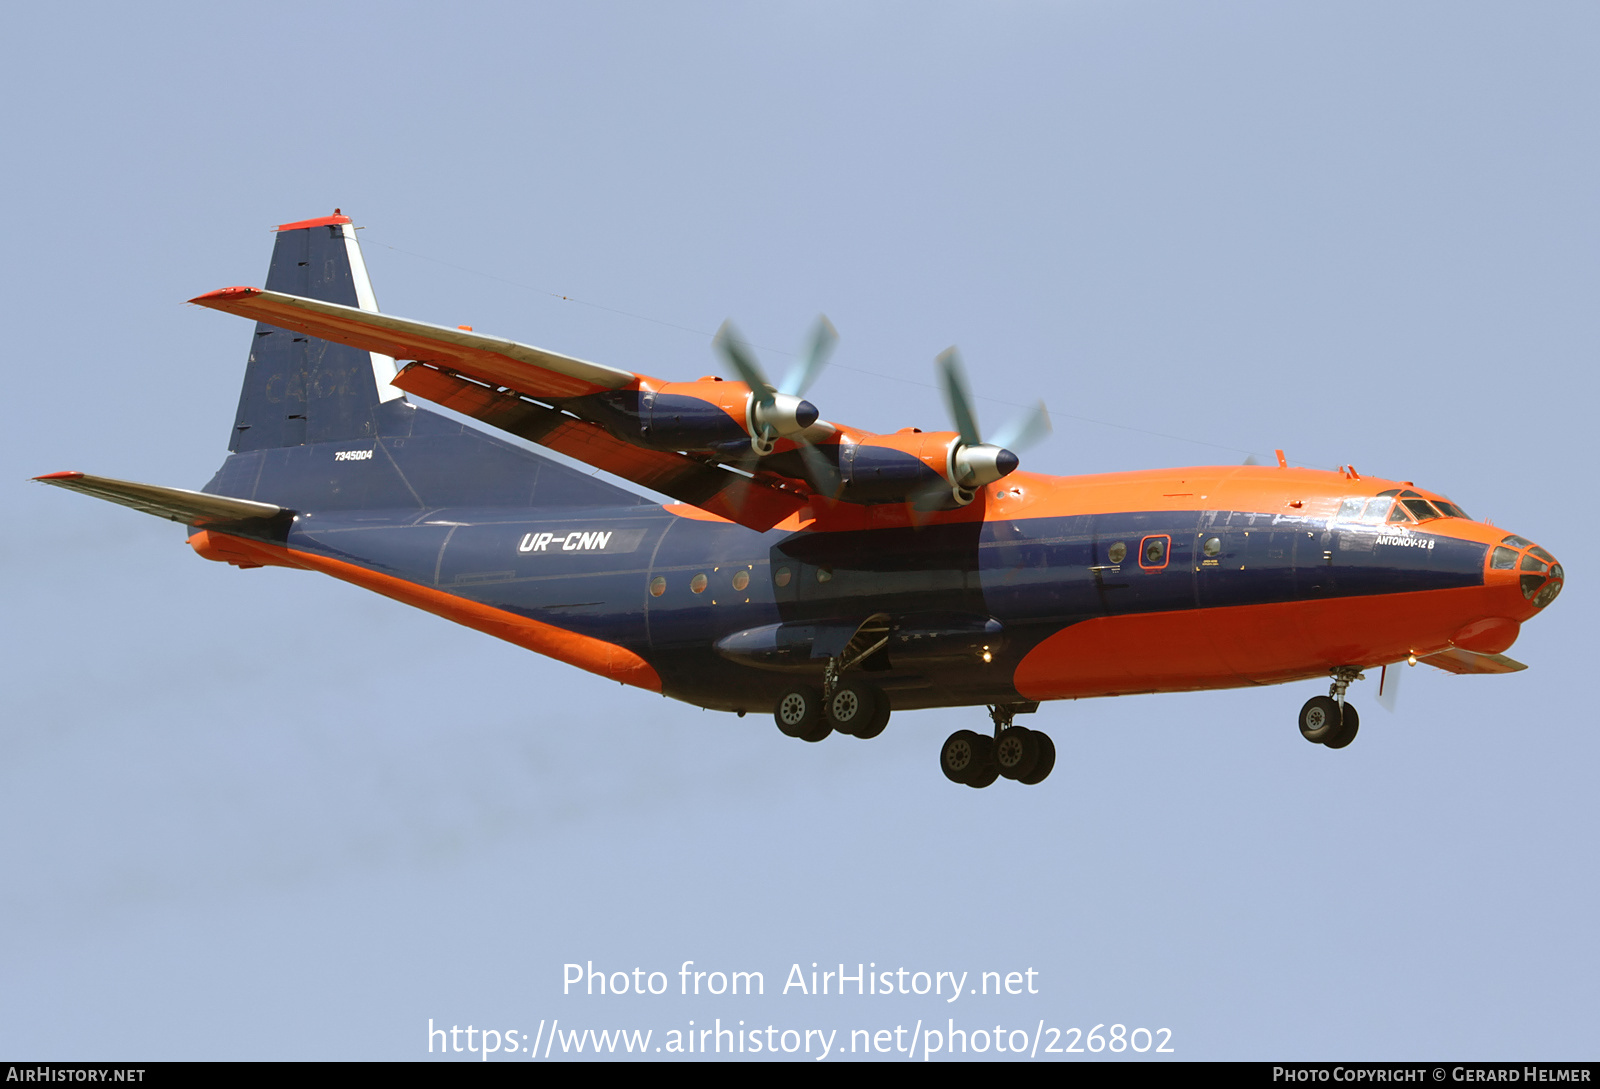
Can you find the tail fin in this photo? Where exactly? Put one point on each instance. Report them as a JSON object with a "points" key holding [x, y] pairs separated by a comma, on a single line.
{"points": [[319, 426], [299, 389]]}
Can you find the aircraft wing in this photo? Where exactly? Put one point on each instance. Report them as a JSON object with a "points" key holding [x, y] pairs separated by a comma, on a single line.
{"points": [[1456, 660], [529, 370], [175, 504]]}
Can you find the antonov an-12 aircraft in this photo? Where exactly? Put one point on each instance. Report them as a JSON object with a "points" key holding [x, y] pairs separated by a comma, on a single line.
{"points": [[807, 569]]}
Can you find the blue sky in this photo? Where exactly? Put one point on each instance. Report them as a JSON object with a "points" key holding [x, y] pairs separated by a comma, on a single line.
{"points": [[262, 814]]}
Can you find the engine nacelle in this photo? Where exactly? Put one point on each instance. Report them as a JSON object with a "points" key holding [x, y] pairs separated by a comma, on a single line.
{"points": [[709, 415]]}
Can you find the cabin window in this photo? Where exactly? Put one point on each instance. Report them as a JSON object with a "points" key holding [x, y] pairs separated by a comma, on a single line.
{"points": [[1153, 552], [1350, 509], [698, 584], [1117, 552], [658, 586], [824, 574], [741, 579], [1213, 546], [781, 576], [1376, 510]]}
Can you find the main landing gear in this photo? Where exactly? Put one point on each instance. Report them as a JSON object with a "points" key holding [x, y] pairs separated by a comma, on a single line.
{"points": [[1016, 752], [852, 707], [1328, 720]]}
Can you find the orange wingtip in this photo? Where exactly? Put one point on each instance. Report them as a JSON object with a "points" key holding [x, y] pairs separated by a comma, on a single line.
{"points": [[225, 294], [69, 475]]}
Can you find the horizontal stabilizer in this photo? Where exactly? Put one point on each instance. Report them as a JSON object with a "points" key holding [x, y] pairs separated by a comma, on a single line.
{"points": [[527, 369], [177, 504], [1456, 660]]}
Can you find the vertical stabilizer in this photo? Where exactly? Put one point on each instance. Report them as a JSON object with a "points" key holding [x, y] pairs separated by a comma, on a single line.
{"points": [[299, 389]]}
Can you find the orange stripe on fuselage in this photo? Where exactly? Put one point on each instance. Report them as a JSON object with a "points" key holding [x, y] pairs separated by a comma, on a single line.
{"points": [[586, 652], [1242, 645]]}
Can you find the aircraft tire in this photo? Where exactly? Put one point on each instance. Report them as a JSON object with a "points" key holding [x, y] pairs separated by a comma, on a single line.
{"points": [[817, 733], [987, 771], [1319, 718], [962, 755], [1346, 732], [852, 707], [1046, 764], [799, 713], [1016, 752], [880, 717]]}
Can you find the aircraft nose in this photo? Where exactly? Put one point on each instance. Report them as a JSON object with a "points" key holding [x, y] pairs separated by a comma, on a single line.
{"points": [[1538, 573]]}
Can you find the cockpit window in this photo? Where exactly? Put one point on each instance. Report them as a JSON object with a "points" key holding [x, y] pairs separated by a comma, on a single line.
{"points": [[1543, 555], [1399, 514], [1516, 542], [1530, 562], [1450, 509], [1504, 559], [1421, 508], [1350, 509], [1376, 509]]}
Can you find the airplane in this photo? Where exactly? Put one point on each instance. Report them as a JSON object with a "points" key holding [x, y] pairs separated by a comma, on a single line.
{"points": [[807, 569]]}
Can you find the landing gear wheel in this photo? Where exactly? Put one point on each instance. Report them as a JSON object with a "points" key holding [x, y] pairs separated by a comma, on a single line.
{"points": [[799, 713], [853, 707], [968, 757], [1346, 732], [988, 771], [1016, 752], [1319, 718], [880, 718], [1045, 764]]}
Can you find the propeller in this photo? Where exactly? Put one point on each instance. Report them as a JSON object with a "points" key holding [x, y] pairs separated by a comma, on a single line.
{"points": [[778, 411], [973, 462]]}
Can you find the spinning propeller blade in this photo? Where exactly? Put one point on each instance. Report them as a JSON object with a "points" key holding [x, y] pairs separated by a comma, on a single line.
{"points": [[806, 370], [953, 380], [1024, 431], [744, 364]]}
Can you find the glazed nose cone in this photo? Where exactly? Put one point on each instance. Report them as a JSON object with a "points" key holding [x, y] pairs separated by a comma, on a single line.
{"points": [[1541, 577]]}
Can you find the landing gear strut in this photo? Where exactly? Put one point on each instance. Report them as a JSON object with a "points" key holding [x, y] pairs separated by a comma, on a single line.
{"points": [[1015, 752], [1328, 720]]}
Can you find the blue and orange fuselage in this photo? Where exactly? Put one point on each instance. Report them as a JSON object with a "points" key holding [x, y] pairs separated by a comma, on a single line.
{"points": [[1042, 588]]}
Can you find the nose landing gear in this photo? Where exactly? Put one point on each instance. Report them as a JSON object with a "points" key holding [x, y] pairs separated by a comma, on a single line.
{"points": [[1328, 720], [1015, 752]]}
